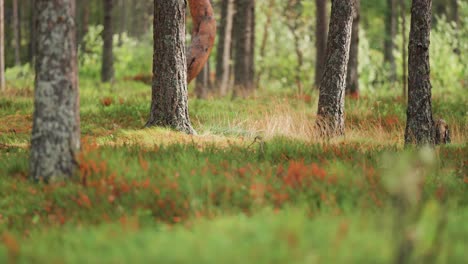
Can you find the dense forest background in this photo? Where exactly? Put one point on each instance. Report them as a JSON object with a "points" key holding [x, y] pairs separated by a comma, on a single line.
{"points": [[284, 41]]}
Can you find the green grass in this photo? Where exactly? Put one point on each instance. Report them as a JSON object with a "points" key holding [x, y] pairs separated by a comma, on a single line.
{"points": [[154, 195]]}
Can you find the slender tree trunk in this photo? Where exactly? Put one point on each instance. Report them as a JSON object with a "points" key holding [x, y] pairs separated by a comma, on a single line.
{"points": [[55, 134], [293, 12], [263, 45], [169, 106], [243, 37], [333, 84], [420, 124], [389, 43], [2, 46], [32, 33], [16, 36], [321, 31], [223, 62], [404, 48], [107, 70], [203, 84], [352, 76]]}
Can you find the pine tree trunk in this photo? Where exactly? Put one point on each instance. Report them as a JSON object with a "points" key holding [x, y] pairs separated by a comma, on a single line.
{"points": [[223, 60], [243, 37], [55, 134], [321, 31], [333, 84], [107, 71], [420, 124], [352, 76], [2, 46], [16, 33], [32, 33], [169, 106], [390, 35], [202, 84]]}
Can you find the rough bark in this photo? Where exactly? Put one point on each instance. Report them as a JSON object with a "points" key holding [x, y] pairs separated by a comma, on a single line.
{"points": [[16, 33], [420, 127], [169, 105], [203, 36], [2, 46], [321, 31], [107, 70], [390, 34], [223, 60], [332, 86], [352, 75], [55, 134], [243, 37]]}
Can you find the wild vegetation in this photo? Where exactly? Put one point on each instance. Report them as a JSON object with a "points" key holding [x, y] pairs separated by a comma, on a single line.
{"points": [[257, 183]]}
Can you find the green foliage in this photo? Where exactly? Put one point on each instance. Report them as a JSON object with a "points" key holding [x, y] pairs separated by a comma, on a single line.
{"points": [[131, 57]]}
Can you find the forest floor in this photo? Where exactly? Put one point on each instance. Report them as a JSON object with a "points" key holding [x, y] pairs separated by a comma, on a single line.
{"points": [[153, 195]]}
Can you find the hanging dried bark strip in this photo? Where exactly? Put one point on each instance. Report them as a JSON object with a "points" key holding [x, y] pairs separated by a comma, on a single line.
{"points": [[203, 36]]}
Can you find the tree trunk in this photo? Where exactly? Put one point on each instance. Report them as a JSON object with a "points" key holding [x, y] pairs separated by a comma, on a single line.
{"points": [[263, 45], [333, 84], [203, 84], [32, 33], [321, 32], [243, 37], [16, 33], [84, 27], [404, 48], [389, 44], [169, 106], [293, 12], [352, 76], [420, 124], [107, 70], [223, 60], [55, 134], [2, 46]]}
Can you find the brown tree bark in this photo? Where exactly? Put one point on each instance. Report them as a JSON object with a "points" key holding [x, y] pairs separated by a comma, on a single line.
{"points": [[16, 33], [352, 75], [390, 34], [244, 38], [420, 124], [55, 134], [333, 84], [107, 69], [223, 59], [203, 36], [321, 31], [2, 46], [169, 105]]}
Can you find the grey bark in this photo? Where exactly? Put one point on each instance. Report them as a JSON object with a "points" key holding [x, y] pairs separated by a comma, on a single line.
{"points": [[352, 76], [332, 86], [2, 46], [390, 34], [107, 70], [223, 58], [16, 33], [420, 124], [169, 105], [55, 134], [244, 41], [321, 31]]}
